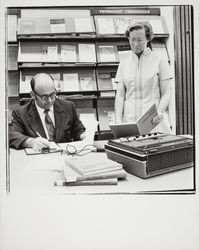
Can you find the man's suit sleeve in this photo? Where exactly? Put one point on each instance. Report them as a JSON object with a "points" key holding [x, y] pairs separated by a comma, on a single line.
{"points": [[78, 128], [16, 131]]}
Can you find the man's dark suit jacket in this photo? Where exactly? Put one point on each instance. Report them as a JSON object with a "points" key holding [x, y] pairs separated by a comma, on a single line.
{"points": [[26, 123]]}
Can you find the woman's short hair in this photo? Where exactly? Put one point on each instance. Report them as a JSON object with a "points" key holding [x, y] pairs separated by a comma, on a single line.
{"points": [[141, 25]]}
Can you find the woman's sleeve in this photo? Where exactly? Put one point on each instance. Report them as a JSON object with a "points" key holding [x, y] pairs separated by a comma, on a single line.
{"points": [[119, 77], [164, 70]]}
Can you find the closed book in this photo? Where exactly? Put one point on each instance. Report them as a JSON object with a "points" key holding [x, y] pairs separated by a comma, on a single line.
{"points": [[71, 175], [112, 181], [92, 163]]}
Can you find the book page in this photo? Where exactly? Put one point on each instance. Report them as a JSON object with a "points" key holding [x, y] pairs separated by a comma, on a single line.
{"points": [[106, 25], [145, 123], [70, 82], [86, 52], [83, 24], [68, 53], [57, 25]]}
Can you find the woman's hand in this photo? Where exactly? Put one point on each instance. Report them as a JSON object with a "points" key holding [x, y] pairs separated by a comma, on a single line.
{"points": [[159, 117]]}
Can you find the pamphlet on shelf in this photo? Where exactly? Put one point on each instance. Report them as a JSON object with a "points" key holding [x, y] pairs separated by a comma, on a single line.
{"points": [[70, 82], [83, 24], [107, 53], [57, 81], [106, 25], [52, 53], [26, 26], [157, 26], [86, 52], [86, 83], [25, 85], [68, 53], [57, 25], [104, 81], [122, 23]]}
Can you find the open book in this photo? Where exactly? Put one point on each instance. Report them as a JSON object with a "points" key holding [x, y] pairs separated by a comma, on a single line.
{"points": [[144, 125]]}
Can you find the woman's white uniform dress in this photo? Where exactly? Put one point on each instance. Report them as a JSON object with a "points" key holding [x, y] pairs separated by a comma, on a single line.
{"points": [[140, 78]]}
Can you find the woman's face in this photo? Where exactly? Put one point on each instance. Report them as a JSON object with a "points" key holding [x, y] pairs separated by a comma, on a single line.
{"points": [[138, 41]]}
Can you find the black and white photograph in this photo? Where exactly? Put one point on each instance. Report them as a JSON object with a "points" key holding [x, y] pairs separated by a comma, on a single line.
{"points": [[99, 125]]}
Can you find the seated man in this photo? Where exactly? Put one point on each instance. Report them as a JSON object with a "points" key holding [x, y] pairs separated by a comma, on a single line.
{"points": [[44, 118]]}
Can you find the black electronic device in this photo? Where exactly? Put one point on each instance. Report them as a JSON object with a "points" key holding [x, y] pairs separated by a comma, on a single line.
{"points": [[152, 154]]}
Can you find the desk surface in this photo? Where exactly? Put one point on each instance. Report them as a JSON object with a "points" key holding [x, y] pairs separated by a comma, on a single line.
{"points": [[37, 173]]}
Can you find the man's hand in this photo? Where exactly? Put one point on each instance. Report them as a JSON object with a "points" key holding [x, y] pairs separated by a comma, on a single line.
{"points": [[39, 143], [83, 136]]}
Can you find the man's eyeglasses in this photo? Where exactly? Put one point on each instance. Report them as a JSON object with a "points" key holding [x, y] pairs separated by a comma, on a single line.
{"points": [[45, 97]]}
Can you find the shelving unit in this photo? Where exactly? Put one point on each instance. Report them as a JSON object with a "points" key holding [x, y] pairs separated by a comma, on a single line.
{"points": [[81, 52]]}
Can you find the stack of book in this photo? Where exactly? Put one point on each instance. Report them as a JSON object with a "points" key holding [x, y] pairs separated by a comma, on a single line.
{"points": [[93, 168]]}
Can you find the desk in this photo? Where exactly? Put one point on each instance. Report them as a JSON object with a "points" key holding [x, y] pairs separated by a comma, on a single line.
{"points": [[37, 173]]}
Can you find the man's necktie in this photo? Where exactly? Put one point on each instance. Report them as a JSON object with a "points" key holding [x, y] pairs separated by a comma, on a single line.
{"points": [[49, 125]]}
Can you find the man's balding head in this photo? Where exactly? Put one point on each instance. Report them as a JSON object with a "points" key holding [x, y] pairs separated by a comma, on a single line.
{"points": [[42, 83]]}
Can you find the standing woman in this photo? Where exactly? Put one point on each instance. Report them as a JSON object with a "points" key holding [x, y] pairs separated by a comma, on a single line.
{"points": [[143, 79]]}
